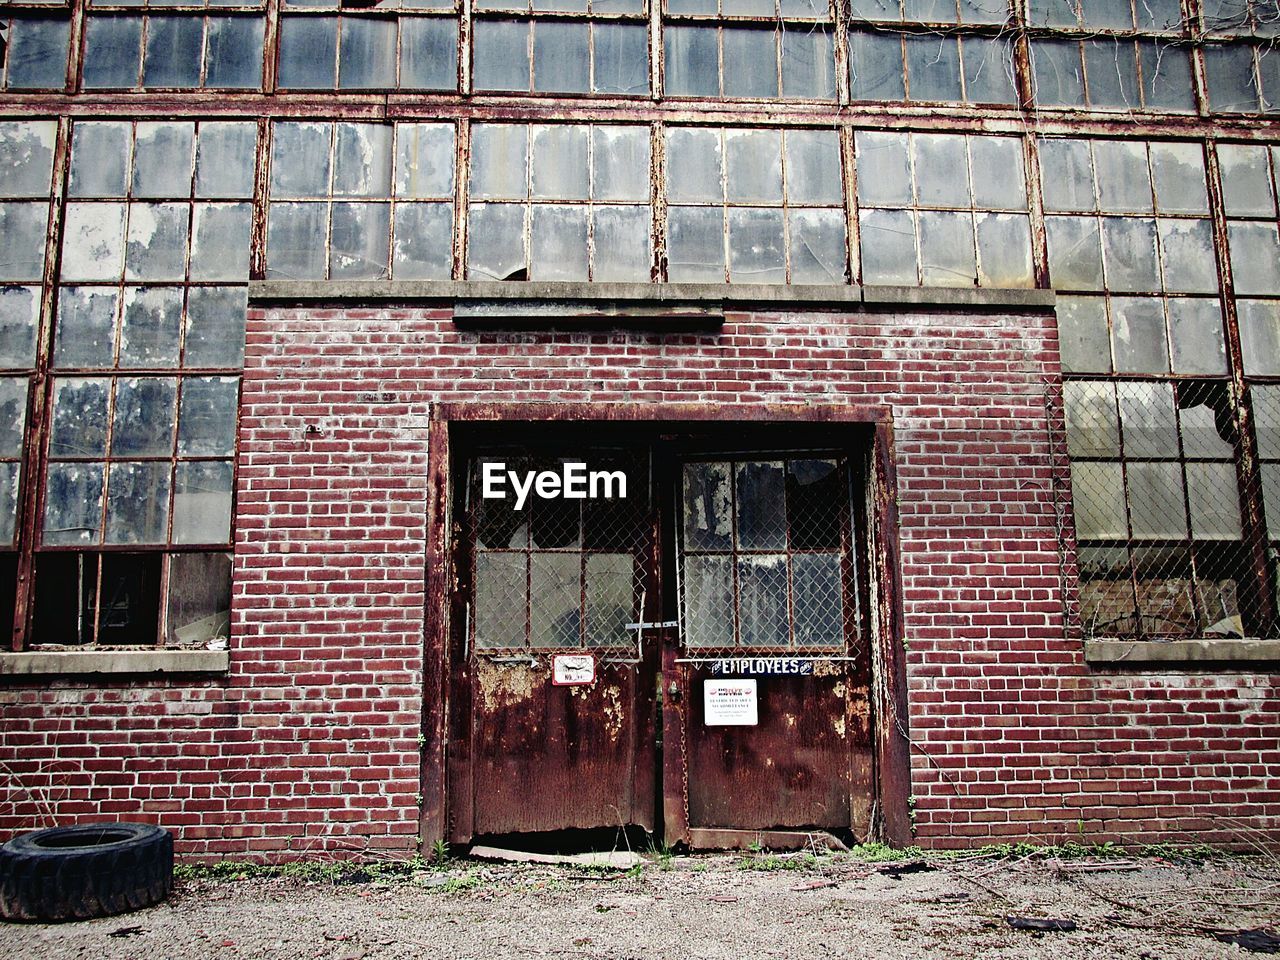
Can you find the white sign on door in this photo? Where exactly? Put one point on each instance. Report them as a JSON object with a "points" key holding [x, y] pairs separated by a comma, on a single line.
{"points": [[573, 670], [730, 703]]}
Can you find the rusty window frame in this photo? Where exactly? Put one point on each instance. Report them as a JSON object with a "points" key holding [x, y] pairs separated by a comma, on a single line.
{"points": [[346, 13], [47, 13], [1259, 19], [963, 78], [1149, 52], [780, 28]]}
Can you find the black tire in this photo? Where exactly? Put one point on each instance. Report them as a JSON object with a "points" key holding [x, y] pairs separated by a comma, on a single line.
{"points": [[76, 873]]}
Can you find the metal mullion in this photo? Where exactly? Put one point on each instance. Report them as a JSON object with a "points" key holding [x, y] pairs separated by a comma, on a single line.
{"points": [[657, 200], [75, 42], [529, 47], [853, 231], [461, 186], [656, 51], [840, 27]]}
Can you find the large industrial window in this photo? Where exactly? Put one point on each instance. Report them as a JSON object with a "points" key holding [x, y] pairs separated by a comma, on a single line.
{"points": [[136, 501], [943, 210], [755, 206], [179, 50], [409, 52], [361, 201], [559, 202], [931, 67]]}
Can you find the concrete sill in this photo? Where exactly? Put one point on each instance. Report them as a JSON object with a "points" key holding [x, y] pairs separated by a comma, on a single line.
{"points": [[1187, 653], [101, 662]]}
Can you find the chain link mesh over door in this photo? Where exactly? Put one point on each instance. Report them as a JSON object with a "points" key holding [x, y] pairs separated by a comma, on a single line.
{"points": [[768, 591]]}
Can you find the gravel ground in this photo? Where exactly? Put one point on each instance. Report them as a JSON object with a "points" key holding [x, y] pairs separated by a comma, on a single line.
{"points": [[713, 907]]}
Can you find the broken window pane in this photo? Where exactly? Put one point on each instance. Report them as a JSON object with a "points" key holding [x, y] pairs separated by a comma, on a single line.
{"points": [[144, 417], [367, 54], [560, 60], [708, 601], [888, 247], [199, 597], [621, 241], [884, 168], [220, 247], [756, 249], [1255, 257], [1083, 336], [233, 53], [308, 53], [359, 242], [1138, 335], [558, 242], [207, 420], [1129, 247], [162, 159], [808, 65], [1075, 253], [817, 504], [19, 317], [1195, 328], [817, 600], [875, 66], [129, 598], [559, 162], [202, 502], [760, 490], [295, 241], [555, 595], [26, 157], [690, 62], [1205, 418], [750, 58], [695, 245], [424, 160], [112, 52], [137, 503], [37, 54], [707, 506], [498, 161], [93, 241], [754, 166], [156, 246], [495, 241], [817, 245], [85, 332], [946, 249], [501, 51], [215, 327], [174, 52], [620, 163], [73, 503], [620, 58], [428, 53], [694, 166], [151, 327], [423, 241], [22, 239], [762, 601]]}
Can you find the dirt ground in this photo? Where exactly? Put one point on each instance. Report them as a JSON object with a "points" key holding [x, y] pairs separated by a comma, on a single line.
{"points": [[715, 907]]}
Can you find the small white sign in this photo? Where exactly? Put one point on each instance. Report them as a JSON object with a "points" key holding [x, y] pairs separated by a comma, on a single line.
{"points": [[730, 703], [573, 669]]}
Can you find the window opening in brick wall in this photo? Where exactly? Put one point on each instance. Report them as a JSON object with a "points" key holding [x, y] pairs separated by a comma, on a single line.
{"points": [[943, 210]]}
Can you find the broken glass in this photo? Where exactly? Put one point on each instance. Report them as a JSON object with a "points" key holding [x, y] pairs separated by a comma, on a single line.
{"points": [[816, 245], [202, 502], [760, 492], [199, 596], [495, 241], [817, 501]]}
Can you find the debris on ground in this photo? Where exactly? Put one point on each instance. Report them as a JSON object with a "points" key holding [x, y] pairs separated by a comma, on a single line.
{"points": [[1041, 925]]}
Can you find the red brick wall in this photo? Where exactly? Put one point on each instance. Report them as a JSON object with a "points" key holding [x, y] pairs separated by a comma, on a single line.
{"points": [[311, 743]]}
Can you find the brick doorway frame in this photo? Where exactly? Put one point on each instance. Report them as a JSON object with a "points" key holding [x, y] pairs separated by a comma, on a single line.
{"points": [[892, 779]]}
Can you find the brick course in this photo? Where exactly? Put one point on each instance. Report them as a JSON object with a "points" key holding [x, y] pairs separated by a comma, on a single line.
{"points": [[311, 743]]}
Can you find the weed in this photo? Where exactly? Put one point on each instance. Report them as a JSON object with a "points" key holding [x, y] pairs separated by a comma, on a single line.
{"points": [[771, 862], [439, 852]]}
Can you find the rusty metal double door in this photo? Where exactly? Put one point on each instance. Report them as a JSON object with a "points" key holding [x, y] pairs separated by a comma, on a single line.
{"points": [[687, 659]]}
